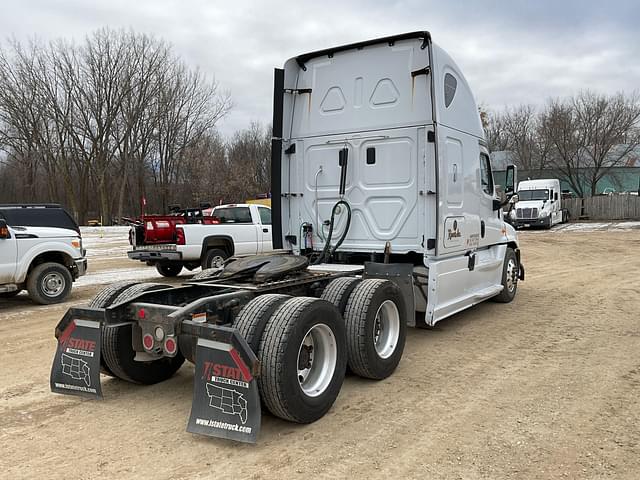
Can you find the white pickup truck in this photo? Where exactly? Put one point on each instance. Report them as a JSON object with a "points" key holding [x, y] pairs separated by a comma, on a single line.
{"points": [[241, 229], [40, 250]]}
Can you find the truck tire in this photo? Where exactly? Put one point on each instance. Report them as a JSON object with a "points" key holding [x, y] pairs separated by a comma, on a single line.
{"points": [[49, 283], [103, 300], [338, 291], [207, 273], [376, 328], [509, 278], [107, 295], [213, 258], [303, 359], [118, 352], [253, 317], [172, 270]]}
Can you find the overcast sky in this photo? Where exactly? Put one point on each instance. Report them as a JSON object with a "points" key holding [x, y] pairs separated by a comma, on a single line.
{"points": [[511, 52]]}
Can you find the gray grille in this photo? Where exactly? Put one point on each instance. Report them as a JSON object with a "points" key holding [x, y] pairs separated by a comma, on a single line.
{"points": [[527, 213]]}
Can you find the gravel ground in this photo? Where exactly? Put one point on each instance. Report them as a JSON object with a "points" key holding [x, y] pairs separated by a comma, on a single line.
{"points": [[545, 387]]}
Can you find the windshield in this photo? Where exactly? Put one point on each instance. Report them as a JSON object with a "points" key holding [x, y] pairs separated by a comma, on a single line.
{"points": [[533, 195], [233, 214]]}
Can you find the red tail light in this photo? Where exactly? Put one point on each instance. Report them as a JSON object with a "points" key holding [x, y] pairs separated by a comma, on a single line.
{"points": [[147, 341], [180, 236], [170, 345]]}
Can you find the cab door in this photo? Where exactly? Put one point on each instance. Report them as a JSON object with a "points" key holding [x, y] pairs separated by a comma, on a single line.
{"points": [[490, 222], [265, 229], [8, 256]]}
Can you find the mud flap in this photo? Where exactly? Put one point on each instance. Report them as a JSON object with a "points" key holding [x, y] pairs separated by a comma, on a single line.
{"points": [[76, 366], [226, 402]]}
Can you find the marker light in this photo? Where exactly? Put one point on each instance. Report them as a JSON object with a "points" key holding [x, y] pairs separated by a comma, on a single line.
{"points": [[159, 333], [170, 345], [147, 341]]}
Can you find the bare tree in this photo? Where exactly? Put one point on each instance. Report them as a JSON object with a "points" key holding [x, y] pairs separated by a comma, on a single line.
{"points": [[188, 106], [609, 128], [590, 134], [97, 124], [519, 131], [249, 153]]}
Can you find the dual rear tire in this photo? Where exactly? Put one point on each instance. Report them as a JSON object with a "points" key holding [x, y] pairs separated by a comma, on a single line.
{"points": [[304, 344]]}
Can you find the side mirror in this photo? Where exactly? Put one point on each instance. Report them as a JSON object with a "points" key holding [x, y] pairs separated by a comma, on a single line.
{"points": [[510, 180], [4, 230]]}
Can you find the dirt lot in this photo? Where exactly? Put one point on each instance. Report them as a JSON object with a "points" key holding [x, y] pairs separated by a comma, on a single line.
{"points": [[545, 387]]}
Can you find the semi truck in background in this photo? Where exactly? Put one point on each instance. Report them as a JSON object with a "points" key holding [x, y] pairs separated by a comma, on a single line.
{"points": [[539, 204], [385, 204]]}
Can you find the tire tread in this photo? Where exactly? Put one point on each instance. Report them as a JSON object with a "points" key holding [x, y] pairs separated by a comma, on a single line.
{"points": [[355, 315], [254, 313], [338, 291], [272, 350]]}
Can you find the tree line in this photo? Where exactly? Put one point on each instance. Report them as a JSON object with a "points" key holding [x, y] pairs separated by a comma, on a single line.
{"points": [[582, 137], [101, 124]]}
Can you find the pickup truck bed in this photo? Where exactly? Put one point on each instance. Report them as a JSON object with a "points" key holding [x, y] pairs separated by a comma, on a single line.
{"points": [[238, 229]]}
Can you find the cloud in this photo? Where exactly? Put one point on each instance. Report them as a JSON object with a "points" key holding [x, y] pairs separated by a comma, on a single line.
{"points": [[511, 52]]}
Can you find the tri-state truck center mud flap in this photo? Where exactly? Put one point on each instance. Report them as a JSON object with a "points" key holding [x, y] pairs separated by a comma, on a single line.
{"points": [[226, 402], [76, 365]]}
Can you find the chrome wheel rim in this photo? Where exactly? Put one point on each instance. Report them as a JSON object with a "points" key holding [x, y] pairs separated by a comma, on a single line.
{"points": [[386, 329], [217, 262], [53, 284], [512, 275], [317, 359]]}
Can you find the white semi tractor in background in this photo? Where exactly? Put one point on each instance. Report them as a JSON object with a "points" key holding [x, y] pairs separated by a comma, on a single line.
{"points": [[384, 199], [539, 204]]}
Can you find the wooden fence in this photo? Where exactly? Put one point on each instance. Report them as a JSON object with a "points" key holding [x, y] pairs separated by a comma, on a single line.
{"points": [[605, 207]]}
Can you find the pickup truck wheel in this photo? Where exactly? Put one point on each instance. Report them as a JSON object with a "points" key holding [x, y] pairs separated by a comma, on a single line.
{"points": [[103, 300], [509, 278], [303, 359], [253, 317], [49, 283], [338, 291], [168, 270], [119, 354], [376, 329], [214, 258]]}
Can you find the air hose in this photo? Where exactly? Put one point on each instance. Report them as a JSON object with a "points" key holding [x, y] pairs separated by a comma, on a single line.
{"points": [[327, 251]]}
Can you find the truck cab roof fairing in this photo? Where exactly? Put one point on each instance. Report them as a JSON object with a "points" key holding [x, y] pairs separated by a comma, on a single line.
{"points": [[302, 59]]}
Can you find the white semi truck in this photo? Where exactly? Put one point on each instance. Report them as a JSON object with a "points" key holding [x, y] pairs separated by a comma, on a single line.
{"points": [[539, 203], [382, 193]]}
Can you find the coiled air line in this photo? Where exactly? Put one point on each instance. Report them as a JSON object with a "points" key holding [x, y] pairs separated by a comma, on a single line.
{"points": [[327, 251]]}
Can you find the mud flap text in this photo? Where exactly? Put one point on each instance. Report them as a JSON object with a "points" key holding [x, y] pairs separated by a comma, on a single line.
{"points": [[76, 365], [226, 403]]}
